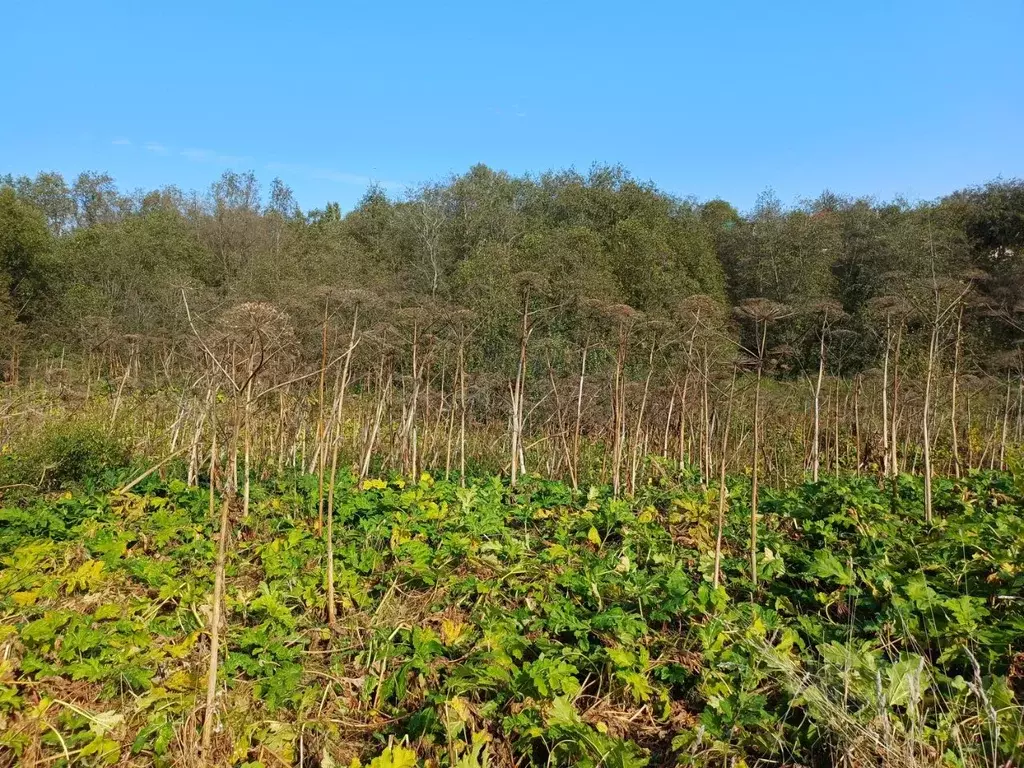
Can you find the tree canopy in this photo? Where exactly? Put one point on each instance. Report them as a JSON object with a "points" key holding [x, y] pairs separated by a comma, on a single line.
{"points": [[85, 261]]}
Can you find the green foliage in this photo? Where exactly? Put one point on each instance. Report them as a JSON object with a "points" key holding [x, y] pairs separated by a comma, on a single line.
{"points": [[62, 453], [25, 246], [540, 624]]}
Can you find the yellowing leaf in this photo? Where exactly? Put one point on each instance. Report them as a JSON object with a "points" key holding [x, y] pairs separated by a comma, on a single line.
{"points": [[182, 649], [104, 722], [107, 750], [395, 757], [594, 537], [180, 681], [621, 657], [460, 708], [452, 631], [557, 551], [281, 738], [561, 712], [86, 578], [108, 611], [23, 599]]}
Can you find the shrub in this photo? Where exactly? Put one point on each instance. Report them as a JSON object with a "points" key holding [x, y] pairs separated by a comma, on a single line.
{"points": [[64, 452]]}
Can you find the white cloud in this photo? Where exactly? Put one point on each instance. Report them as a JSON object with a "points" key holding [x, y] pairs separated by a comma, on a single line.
{"points": [[514, 111], [196, 154], [210, 156], [329, 174]]}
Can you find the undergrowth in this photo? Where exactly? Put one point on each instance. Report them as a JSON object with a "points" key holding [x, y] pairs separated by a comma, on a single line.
{"points": [[62, 452], [527, 626]]}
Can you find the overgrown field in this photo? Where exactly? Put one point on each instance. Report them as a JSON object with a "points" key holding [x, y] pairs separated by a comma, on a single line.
{"points": [[526, 626]]}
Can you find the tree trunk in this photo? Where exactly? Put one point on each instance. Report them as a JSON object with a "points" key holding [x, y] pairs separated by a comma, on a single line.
{"points": [[1006, 426], [462, 415], [954, 425], [887, 461], [933, 343], [668, 423], [835, 454], [518, 394], [682, 402], [638, 452], [757, 448], [895, 397], [218, 582], [816, 439], [618, 410], [331, 616], [384, 387], [563, 431], [856, 421], [722, 490]]}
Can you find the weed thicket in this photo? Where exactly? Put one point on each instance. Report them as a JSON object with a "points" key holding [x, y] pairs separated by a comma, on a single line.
{"points": [[498, 626], [63, 452]]}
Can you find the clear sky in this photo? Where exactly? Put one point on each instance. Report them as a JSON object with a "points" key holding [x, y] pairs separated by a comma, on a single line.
{"points": [[710, 99]]}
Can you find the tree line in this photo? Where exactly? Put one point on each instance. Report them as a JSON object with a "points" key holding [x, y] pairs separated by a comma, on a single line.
{"points": [[574, 324]]}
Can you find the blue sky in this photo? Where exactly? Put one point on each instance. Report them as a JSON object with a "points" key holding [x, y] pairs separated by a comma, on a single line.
{"points": [[712, 99]]}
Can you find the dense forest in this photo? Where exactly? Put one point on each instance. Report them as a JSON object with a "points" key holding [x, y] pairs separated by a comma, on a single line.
{"points": [[566, 323]]}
